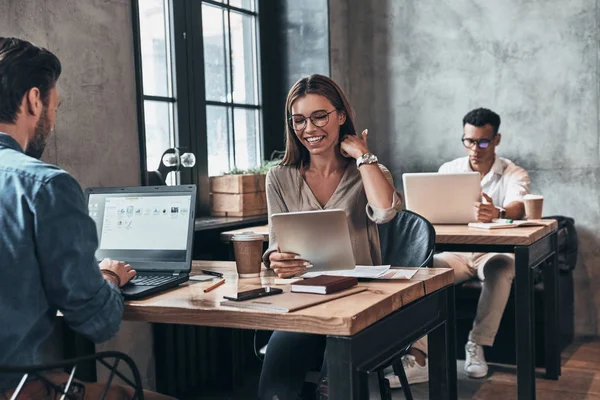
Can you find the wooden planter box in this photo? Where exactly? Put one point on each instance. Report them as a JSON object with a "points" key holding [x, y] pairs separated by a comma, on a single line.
{"points": [[238, 195]]}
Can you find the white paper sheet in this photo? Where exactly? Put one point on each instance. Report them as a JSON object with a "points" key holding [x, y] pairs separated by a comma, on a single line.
{"points": [[361, 271], [398, 273]]}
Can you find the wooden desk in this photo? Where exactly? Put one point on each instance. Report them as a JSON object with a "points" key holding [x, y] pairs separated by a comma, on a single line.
{"points": [[531, 246], [463, 235], [364, 331]]}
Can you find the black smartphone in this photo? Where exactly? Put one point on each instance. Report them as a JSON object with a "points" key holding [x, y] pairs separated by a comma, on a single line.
{"points": [[255, 293]]}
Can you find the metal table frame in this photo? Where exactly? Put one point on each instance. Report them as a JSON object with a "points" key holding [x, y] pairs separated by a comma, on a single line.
{"points": [[351, 358], [527, 259]]}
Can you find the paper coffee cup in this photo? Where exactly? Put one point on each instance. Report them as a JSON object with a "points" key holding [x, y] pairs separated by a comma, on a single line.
{"points": [[248, 250], [534, 204]]}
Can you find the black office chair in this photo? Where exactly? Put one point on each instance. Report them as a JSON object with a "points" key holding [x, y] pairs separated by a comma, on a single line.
{"points": [[37, 371], [408, 241]]}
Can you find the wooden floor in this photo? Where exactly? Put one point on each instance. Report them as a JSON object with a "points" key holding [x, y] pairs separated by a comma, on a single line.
{"points": [[580, 380]]}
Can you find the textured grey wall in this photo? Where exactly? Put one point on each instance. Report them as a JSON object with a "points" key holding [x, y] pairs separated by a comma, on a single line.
{"points": [[305, 39], [96, 137], [413, 68]]}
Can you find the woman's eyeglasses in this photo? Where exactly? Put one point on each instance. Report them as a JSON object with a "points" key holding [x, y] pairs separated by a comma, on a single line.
{"points": [[481, 143], [318, 118]]}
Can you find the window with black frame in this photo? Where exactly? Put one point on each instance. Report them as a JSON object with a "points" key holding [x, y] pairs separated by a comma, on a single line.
{"points": [[225, 113], [231, 70], [159, 97]]}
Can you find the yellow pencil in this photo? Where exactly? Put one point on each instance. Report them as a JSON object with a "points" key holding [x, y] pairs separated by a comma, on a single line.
{"points": [[216, 285]]}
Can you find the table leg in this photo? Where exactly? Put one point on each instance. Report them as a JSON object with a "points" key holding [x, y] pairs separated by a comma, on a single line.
{"points": [[345, 381], [524, 325], [552, 326], [442, 351], [76, 345]]}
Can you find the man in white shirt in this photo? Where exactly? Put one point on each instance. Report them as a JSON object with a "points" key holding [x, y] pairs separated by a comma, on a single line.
{"points": [[503, 186]]}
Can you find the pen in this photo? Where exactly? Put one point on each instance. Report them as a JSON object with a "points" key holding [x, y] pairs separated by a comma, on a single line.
{"points": [[503, 220], [216, 285], [213, 273]]}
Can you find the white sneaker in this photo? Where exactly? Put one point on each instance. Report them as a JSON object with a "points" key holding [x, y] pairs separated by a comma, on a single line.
{"points": [[475, 365], [414, 372]]}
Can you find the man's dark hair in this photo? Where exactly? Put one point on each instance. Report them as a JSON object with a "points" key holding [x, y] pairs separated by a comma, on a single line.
{"points": [[482, 116], [24, 66]]}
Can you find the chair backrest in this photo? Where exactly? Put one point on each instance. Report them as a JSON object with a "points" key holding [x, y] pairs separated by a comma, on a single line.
{"points": [[408, 241], [568, 243]]}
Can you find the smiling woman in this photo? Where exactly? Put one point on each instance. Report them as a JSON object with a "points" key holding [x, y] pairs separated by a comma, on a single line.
{"points": [[326, 166]]}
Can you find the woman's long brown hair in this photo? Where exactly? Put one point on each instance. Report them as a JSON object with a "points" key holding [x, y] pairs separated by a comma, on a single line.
{"points": [[295, 153]]}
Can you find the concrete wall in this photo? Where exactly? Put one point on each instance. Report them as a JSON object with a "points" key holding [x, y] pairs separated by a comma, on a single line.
{"points": [[96, 137], [305, 40], [413, 68]]}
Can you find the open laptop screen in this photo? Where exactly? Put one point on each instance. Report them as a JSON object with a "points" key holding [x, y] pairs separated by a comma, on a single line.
{"points": [[143, 226]]}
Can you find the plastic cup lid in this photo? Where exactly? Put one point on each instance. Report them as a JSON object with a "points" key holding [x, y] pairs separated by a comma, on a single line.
{"points": [[247, 236], [533, 197]]}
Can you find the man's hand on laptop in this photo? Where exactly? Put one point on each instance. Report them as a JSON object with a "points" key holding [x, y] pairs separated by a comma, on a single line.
{"points": [[287, 265], [116, 272], [486, 211]]}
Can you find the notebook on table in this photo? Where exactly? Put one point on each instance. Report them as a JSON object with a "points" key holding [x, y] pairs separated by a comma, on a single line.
{"points": [[151, 228], [324, 284]]}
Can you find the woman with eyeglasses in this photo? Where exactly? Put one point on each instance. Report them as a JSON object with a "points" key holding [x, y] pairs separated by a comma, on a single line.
{"points": [[326, 166]]}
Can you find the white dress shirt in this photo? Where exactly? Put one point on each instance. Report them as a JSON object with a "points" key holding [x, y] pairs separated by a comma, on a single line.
{"points": [[505, 183]]}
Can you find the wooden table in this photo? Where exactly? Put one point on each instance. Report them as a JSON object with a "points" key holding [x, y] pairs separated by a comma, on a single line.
{"points": [[531, 246], [364, 331]]}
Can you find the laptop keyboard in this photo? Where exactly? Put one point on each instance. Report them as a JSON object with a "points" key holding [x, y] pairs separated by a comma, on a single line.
{"points": [[152, 280]]}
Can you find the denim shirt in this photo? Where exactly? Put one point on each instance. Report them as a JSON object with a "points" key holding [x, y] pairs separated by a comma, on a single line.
{"points": [[47, 263]]}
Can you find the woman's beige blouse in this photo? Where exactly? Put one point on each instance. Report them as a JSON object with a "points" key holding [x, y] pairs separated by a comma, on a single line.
{"points": [[288, 192]]}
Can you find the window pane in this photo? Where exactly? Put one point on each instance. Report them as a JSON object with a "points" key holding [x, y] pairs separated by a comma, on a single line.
{"points": [[247, 146], [243, 54], [155, 48], [216, 49], [218, 139], [158, 117], [245, 4]]}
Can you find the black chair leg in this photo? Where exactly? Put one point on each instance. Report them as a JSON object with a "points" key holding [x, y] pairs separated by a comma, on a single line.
{"points": [[384, 386], [399, 370]]}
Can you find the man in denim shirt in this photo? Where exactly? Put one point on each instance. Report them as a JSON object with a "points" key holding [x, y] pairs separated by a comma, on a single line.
{"points": [[47, 239]]}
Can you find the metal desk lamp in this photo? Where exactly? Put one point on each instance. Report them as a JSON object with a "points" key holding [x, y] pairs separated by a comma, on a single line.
{"points": [[172, 160]]}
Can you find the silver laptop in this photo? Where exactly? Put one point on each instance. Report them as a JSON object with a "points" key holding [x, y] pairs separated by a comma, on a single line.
{"points": [[443, 198], [151, 228], [321, 237]]}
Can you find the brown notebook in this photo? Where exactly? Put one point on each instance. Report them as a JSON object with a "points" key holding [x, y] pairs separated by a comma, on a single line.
{"points": [[324, 284]]}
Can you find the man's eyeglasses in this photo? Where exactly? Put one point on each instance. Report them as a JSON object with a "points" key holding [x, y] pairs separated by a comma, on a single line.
{"points": [[318, 118], [481, 143]]}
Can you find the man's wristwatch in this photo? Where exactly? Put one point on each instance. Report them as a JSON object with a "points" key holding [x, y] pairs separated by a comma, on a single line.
{"points": [[367, 158], [501, 213]]}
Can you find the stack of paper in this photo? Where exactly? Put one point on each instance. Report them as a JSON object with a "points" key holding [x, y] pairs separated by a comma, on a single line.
{"points": [[369, 272], [398, 273], [507, 223], [361, 271]]}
